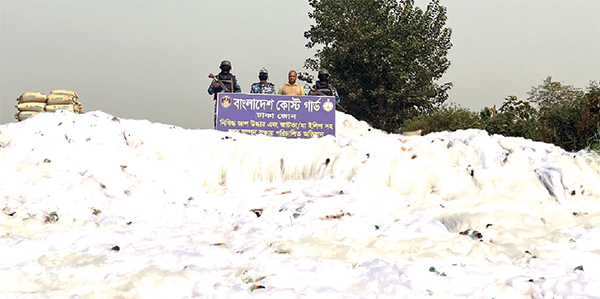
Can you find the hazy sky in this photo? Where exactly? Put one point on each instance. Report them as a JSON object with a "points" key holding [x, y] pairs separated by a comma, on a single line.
{"points": [[150, 59]]}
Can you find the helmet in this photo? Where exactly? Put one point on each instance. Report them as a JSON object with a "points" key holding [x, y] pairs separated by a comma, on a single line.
{"points": [[323, 72], [225, 62], [263, 71]]}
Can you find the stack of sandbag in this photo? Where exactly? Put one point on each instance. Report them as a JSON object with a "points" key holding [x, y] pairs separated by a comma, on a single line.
{"points": [[60, 99], [30, 104]]}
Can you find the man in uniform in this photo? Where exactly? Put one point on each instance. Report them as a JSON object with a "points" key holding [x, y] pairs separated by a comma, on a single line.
{"points": [[323, 87], [291, 88], [223, 82], [263, 86]]}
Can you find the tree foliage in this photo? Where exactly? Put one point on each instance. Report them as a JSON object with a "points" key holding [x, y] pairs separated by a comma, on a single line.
{"points": [[566, 114], [447, 117], [385, 56], [588, 125], [514, 118], [553, 92], [593, 143], [560, 114]]}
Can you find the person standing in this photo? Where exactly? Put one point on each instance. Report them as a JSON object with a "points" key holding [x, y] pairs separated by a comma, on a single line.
{"points": [[323, 87], [291, 88], [263, 87], [223, 82]]}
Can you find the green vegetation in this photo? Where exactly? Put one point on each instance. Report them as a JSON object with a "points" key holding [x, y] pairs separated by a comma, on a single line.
{"points": [[444, 118], [387, 55], [514, 118], [571, 121], [589, 124], [594, 141]]}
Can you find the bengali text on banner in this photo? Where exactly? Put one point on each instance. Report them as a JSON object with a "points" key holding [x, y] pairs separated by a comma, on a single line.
{"points": [[276, 115]]}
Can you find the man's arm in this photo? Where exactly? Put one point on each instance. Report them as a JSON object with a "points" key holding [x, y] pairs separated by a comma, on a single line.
{"points": [[211, 88]]}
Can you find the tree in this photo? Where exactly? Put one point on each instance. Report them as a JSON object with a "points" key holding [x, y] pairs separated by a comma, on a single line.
{"points": [[560, 111], [514, 118], [588, 126], [552, 92], [384, 56]]}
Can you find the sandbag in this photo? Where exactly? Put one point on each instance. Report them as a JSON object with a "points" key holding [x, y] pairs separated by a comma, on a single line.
{"points": [[69, 107], [64, 92], [31, 106], [22, 115], [32, 96], [60, 99]]}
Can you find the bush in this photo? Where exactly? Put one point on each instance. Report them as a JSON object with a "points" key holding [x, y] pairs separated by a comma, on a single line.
{"points": [[572, 122], [445, 118], [588, 126], [593, 143], [565, 116], [559, 125], [515, 118]]}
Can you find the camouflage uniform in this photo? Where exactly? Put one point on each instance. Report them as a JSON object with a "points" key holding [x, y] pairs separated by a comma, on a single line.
{"points": [[267, 88]]}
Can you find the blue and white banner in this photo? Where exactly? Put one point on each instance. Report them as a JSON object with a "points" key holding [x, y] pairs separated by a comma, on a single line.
{"points": [[276, 115]]}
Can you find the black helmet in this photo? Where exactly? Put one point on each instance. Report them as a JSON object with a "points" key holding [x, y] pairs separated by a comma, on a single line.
{"points": [[225, 66], [323, 75], [323, 72], [225, 62]]}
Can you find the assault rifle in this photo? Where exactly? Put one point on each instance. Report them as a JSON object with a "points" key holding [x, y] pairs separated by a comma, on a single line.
{"points": [[216, 78]]}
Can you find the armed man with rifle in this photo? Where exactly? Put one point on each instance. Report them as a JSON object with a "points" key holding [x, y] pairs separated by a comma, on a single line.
{"points": [[323, 87], [223, 82]]}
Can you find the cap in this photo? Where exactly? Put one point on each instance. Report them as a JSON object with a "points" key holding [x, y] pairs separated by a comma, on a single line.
{"points": [[263, 71]]}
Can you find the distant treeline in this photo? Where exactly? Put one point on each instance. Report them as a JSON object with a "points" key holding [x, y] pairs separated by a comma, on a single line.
{"points": [[554, 113]]}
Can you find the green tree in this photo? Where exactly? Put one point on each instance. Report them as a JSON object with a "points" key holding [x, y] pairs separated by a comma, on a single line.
{"points": [[588, 126], [553, 92], [385, 56], [561, 114], [514, 118]]}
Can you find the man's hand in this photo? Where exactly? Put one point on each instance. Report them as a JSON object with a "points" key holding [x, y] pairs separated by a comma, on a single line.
{"points": [[215, 84]]}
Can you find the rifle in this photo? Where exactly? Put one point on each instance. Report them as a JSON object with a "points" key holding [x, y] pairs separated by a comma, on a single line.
{"points": [[216, 78]]}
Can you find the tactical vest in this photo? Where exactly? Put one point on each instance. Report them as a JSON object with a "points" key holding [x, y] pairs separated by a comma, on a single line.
{"points": [[227, 83], [323, 89]]}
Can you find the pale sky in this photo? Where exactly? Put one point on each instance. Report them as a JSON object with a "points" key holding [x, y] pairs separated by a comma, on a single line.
{"points": [[150, 59]]}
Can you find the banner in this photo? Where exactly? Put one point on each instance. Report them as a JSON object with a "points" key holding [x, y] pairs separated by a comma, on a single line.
{"points": [[276, 115]]}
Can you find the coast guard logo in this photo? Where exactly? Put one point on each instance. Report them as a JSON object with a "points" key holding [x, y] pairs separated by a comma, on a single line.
{"points": [[328, 106], [226, 101]]}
